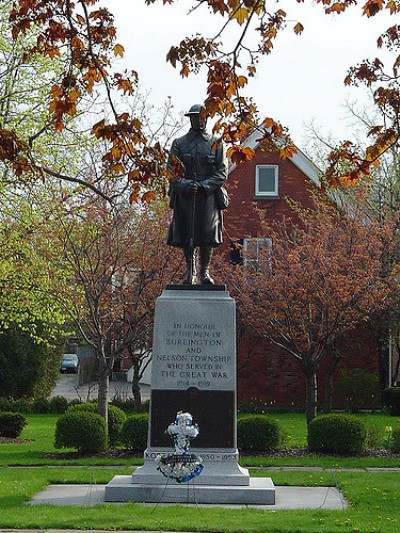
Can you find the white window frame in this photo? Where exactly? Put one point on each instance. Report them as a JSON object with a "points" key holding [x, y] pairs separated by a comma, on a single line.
{"points": [[267, 194], [255, 263]]}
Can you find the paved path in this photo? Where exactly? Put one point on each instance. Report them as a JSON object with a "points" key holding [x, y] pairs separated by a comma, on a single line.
{"points": [[286, 497], [68, 387]]}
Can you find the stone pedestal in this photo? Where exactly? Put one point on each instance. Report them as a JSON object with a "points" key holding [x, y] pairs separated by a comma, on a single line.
{"points": [[194, 370]]}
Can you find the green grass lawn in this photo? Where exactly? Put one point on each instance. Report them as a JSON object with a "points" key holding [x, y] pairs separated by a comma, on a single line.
{"points": [[374, 496], [374, 499]]}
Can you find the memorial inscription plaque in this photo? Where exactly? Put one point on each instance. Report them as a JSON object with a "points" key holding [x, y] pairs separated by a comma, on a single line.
{"points": [[194, 366]]}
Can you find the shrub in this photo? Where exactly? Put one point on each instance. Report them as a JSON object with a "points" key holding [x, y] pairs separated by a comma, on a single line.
{"points": [[395, 441], [128, 405], [11, 425], [84, 431], [22, 406], [74, 401], [41, 406], [391, 400], [116, 419], [134, 432], [259, 433], [337, 434], [58, 405], [5, 404], [360, 388]]}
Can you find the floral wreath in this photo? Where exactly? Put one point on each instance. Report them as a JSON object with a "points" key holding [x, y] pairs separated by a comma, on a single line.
{"points": [[182, 466]]}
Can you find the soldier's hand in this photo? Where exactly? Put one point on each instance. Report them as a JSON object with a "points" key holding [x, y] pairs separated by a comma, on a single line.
{"points": [[192, 188]]}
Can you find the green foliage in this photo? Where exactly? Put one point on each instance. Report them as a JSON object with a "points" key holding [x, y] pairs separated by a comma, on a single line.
{"points": [[84, 431], [29, 367], [116, 419], [128, 405], [391, 400], [259, 433], [41, 406], [134, 432], [395, 440], [58, 405], [360, 388], [5, 404], [337, 434], [21, 406], [11, 425]]}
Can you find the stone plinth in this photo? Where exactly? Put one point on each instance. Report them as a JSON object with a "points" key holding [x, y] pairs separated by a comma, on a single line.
{"points": [[260, 491], [194, 370]]}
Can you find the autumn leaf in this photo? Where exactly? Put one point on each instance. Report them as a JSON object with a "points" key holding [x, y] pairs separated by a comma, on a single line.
{"points": [[241, 15], [287, 151], [119, 50], [240, 154], [148, 196], [372, 7], [185, 71], [298, 29]]}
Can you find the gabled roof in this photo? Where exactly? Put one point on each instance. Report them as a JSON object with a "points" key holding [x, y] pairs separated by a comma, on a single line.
{"points": [[299, 159]]}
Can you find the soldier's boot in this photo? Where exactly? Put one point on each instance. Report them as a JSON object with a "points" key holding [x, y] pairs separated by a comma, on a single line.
{"points": [[205, 260], [190, 257]]}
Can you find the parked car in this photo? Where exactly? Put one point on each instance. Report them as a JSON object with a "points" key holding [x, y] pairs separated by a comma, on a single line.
{"points": [[70, 363]]}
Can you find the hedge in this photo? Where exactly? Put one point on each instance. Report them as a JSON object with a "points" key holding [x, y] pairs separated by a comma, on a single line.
{"points": [[338, 434], [84, 431], [259, 433]]}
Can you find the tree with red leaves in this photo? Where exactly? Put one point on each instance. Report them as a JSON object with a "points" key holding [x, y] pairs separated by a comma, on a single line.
{"points": [[80, 37], [313, 286], [109, 264]]}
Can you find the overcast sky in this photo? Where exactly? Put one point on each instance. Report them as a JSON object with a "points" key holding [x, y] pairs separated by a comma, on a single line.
{"points": [[301, 81]]}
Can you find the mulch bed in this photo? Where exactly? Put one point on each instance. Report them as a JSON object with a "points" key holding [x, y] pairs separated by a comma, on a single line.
{"points": [[8, 440]]}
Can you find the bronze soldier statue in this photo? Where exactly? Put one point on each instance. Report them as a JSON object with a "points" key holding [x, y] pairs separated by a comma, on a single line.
{"points": [[198, 196]]}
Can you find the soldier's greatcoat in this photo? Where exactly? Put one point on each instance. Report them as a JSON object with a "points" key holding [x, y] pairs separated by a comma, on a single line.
{"points": [[204, 159]]}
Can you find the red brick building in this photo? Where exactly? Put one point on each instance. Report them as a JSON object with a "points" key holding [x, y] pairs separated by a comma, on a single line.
{"points": [[266, 372]]}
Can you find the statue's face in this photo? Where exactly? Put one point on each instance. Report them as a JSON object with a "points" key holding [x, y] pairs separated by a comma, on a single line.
{"points": [[198, 123]]}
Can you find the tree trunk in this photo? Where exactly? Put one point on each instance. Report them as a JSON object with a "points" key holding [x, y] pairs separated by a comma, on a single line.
{"points": [[328, 382], [311, 394], [137, 396], [104, 389]]}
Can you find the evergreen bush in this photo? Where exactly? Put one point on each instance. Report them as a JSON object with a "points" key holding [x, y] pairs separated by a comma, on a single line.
{"points": [[58, 405], [116, 419], [11, 425], [84, 431], [391, 400], [41, 406], [22, 406], [338, 434], [134, 432], [259, 433], [5, 404]]}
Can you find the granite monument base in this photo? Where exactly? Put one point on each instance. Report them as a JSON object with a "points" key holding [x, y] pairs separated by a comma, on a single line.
{"points": [[194, 371], [260, 491], [221, 468]]}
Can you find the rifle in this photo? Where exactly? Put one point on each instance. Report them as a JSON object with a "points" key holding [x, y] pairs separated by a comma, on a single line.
{"points": [[191, 239]]}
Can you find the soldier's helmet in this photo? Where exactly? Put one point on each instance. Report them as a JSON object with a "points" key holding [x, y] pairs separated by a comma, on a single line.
{"points": [[194, 110]]}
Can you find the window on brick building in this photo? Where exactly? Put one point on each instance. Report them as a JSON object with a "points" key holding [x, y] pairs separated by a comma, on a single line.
{"points": [[267, 181], [257, 253]]}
